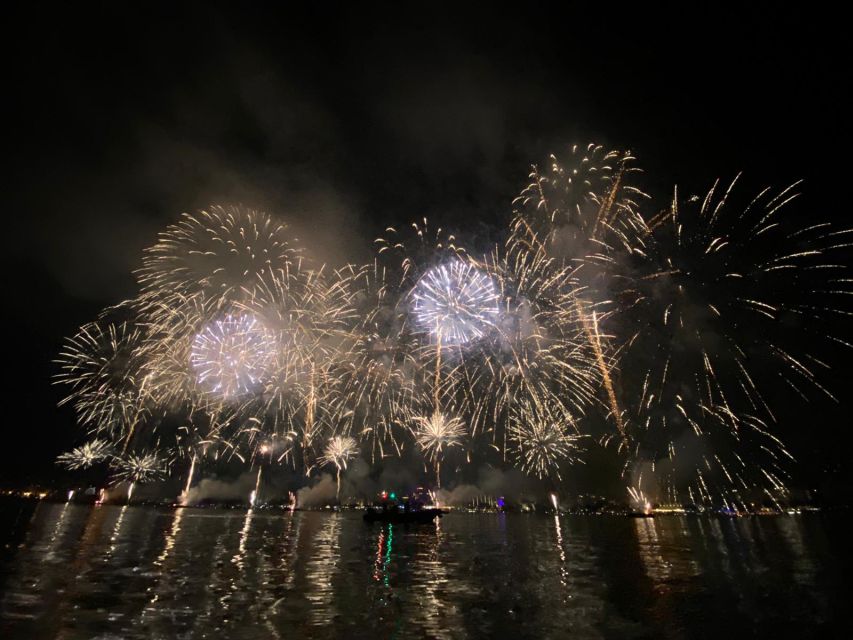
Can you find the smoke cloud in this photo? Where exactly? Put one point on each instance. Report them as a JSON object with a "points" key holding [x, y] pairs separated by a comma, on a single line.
{"points": [[320, 493], [222, 490]]}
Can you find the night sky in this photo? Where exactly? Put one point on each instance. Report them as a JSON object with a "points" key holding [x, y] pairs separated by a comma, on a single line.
{"points": [[345, 121]]}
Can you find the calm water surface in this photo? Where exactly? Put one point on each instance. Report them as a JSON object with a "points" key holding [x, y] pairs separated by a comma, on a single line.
{"points": [[74, 571]]}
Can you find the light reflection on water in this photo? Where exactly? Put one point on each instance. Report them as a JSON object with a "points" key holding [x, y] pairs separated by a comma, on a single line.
{"points": [[136, 572]]}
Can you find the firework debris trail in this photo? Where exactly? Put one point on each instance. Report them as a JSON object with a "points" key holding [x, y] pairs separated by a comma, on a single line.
{"points": [[674, 327]]}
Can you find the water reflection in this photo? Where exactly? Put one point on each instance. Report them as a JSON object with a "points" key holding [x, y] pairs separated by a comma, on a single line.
{"points": [[134, 572], [321, 569]]}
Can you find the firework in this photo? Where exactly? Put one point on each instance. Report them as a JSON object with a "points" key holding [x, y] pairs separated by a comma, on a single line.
{"points": [[639, 500], [455, 302], [714, 289], [134, 468], [222, 253], [584, 212], [677, 307], [102, 367], [378, 375], [542, 439], [388, 364], [585, 204], [311, 314], [338, 452], [207, 349], [679, 326], [435, 434], [537, 350], [233, 356], [86, 455]]}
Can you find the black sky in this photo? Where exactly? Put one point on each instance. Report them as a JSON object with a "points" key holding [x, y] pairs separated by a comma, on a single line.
{"points": [[346, 119]]}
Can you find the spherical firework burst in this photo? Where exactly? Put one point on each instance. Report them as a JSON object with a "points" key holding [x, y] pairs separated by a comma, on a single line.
{"points": [[103, 368], [233, 356], [86, 455], [223, 253], [455, 302], [139, 469], [542, 437], [436, 433], [338, 452]]}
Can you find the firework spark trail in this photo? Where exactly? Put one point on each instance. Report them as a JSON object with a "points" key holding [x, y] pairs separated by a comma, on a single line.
{"points": [[184, 498], [594, 338], [639, 499]]}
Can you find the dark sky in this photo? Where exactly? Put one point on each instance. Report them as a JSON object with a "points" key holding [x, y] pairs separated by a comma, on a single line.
{"points": [[346, 120]]}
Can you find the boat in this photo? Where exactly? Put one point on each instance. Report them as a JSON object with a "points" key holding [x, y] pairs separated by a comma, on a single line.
{"points": [[396, 515]]}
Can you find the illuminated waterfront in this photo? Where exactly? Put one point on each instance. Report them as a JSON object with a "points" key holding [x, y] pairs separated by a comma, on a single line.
{"points": [[75, 571]]}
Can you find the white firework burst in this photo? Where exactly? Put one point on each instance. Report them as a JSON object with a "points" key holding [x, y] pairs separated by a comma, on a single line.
{"points": [[456, 302]]}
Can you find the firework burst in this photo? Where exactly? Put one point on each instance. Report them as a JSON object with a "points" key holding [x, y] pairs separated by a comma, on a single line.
{"points": [[310, 313], [233, 356], [140, 468], [436, 433], [543, 438], [103, 369], [222, 253], [338, 452], [455, 302], [712, 289], [378, 375], [86, 455], [537, 349]]}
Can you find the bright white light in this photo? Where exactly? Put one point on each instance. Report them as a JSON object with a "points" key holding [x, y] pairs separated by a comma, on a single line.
{"points": [[456, 302], [233, 356]]}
